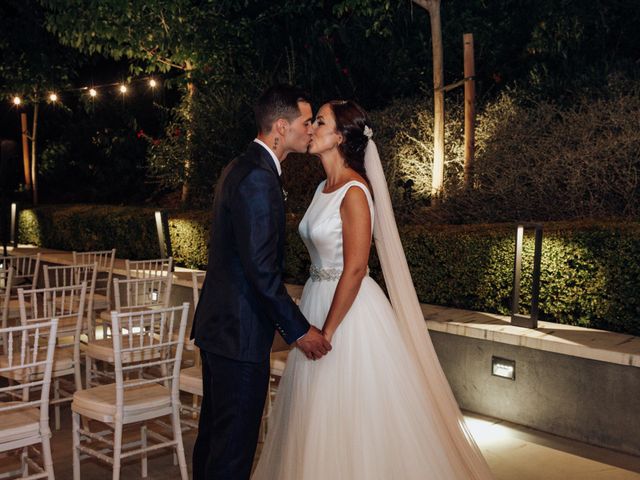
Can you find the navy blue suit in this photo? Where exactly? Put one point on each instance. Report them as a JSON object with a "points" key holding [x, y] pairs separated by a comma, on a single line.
{"points": [[243, 301]]}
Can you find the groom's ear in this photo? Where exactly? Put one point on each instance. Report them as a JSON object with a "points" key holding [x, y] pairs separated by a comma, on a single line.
{"points": [[281, 126]]}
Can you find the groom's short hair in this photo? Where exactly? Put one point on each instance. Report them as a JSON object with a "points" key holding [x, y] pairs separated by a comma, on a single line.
{"points": [[279, 101]]}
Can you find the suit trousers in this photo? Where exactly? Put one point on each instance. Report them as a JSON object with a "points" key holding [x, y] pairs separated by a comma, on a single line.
{"points": [[230, 417]]}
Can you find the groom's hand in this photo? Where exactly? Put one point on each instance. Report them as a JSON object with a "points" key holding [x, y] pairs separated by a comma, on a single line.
{"points": [[313, 344]]}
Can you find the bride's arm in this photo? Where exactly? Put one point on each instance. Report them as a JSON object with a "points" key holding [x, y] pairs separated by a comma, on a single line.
{"points": [[356, 240]]}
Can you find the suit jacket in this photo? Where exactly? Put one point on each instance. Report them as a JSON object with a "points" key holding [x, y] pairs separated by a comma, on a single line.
{"points": [[243, 298]]}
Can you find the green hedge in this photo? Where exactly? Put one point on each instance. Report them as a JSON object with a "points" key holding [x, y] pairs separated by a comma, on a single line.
{"points": [[590, 270]]}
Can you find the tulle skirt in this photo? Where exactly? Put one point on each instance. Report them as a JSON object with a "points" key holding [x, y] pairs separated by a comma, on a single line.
{"points": [[359, 412]]}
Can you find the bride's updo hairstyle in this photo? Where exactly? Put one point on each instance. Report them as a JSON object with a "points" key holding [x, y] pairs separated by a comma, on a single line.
{"points": [[351, 121]]}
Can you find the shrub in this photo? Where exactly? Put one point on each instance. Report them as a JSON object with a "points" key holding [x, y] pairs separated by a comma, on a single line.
{"points": [[590, 270], [535, 159]]}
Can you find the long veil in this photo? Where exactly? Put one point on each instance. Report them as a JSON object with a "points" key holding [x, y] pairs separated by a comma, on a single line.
{"points": [[452, 432]]}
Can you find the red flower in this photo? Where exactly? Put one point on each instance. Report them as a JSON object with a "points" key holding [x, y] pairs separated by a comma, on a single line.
{"points": [[140, 133], [155, 141]]}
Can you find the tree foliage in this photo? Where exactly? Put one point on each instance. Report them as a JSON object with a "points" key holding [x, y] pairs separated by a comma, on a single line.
{"points": [[33, 62]]}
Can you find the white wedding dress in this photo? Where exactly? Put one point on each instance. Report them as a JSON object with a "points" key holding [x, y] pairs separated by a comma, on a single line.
{"points": [[360, 412]]}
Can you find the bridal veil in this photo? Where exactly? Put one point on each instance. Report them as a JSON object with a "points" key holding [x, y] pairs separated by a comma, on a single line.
{"points": [[451, 429]]}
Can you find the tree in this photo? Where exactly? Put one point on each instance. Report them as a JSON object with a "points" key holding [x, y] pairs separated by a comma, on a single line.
{"points": [[185, 36], [34, 65]]}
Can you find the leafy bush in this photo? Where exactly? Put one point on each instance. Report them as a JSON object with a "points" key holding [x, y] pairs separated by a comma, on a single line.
{"points": [[535, 160], [590, 270], [131, 230]]}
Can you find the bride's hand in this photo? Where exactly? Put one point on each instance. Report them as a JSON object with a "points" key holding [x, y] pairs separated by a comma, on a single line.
{"points": [[328, 336]]}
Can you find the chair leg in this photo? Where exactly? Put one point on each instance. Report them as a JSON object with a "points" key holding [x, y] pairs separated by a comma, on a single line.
{"points": [[24, 465], [194, 404], [117, 449], [75, 428], [87, 372], [46, 456], [143, 441], [177, 437]]}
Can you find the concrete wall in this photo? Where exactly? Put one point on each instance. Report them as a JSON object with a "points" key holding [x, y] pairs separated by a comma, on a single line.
{"points": [[586, 400]]}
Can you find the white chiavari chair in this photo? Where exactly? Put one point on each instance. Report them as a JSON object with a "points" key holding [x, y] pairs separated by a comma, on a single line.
{"points": [[191, 377], [24, 423], [68, 275], [150, 392], [105, 260], [6, 282], [26, 271], [135, 295], [156, 268], [67, 304]]}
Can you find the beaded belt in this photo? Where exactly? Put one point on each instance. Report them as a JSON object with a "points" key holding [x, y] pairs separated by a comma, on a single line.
{"points": [[318, 274], [330, 274]]}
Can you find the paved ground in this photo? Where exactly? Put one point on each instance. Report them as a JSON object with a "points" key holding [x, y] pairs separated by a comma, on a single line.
{"points": [[513, 452]]}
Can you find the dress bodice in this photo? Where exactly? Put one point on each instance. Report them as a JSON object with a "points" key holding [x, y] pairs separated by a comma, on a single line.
{"points": [[321, 226]]}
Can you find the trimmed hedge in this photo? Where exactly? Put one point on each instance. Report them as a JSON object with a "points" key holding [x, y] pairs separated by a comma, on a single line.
{"points": [[590, 270]]}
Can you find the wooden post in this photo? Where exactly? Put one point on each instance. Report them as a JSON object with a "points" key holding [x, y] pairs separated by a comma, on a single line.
{"points": [[34, 170], [437, 173], [437, 182], [25, 151], [469, 108]]}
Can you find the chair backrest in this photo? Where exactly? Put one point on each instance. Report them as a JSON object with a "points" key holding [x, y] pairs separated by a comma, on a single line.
{"points": [[155, 336], [67, 304], [26, 269], [105, 260], [142, 292], [196, 285], [27, 351], [68, 275], [157, 268], [6, 282]]}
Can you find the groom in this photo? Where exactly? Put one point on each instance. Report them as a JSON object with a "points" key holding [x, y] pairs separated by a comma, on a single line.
{"points": [[243, 297]]}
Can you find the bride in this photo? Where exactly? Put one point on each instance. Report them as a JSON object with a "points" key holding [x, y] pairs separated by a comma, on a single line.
{"points": [[378, 407]]}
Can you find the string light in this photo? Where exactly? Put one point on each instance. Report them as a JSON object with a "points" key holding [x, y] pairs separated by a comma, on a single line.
{"points": [[93, 91]]}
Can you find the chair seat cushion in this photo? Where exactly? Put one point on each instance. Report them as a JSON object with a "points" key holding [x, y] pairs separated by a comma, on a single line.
{"points": [[191, 380], [18, 424], [100, 402], [278, 360], [62, 365]]}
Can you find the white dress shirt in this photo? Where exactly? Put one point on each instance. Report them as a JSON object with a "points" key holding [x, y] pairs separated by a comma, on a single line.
{"points": [[273, 155]]}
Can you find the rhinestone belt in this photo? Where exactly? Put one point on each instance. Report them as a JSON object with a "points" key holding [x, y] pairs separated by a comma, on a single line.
{"points": [[318, 274]]}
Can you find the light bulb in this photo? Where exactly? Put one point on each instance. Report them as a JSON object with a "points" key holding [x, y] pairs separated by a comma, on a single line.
{"points": [[53, 97], [17, 101], [123, 88], [93, 92], [152, 83]]}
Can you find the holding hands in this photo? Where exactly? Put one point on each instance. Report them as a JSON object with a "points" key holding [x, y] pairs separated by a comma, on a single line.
{"points": [[314, 344]]}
